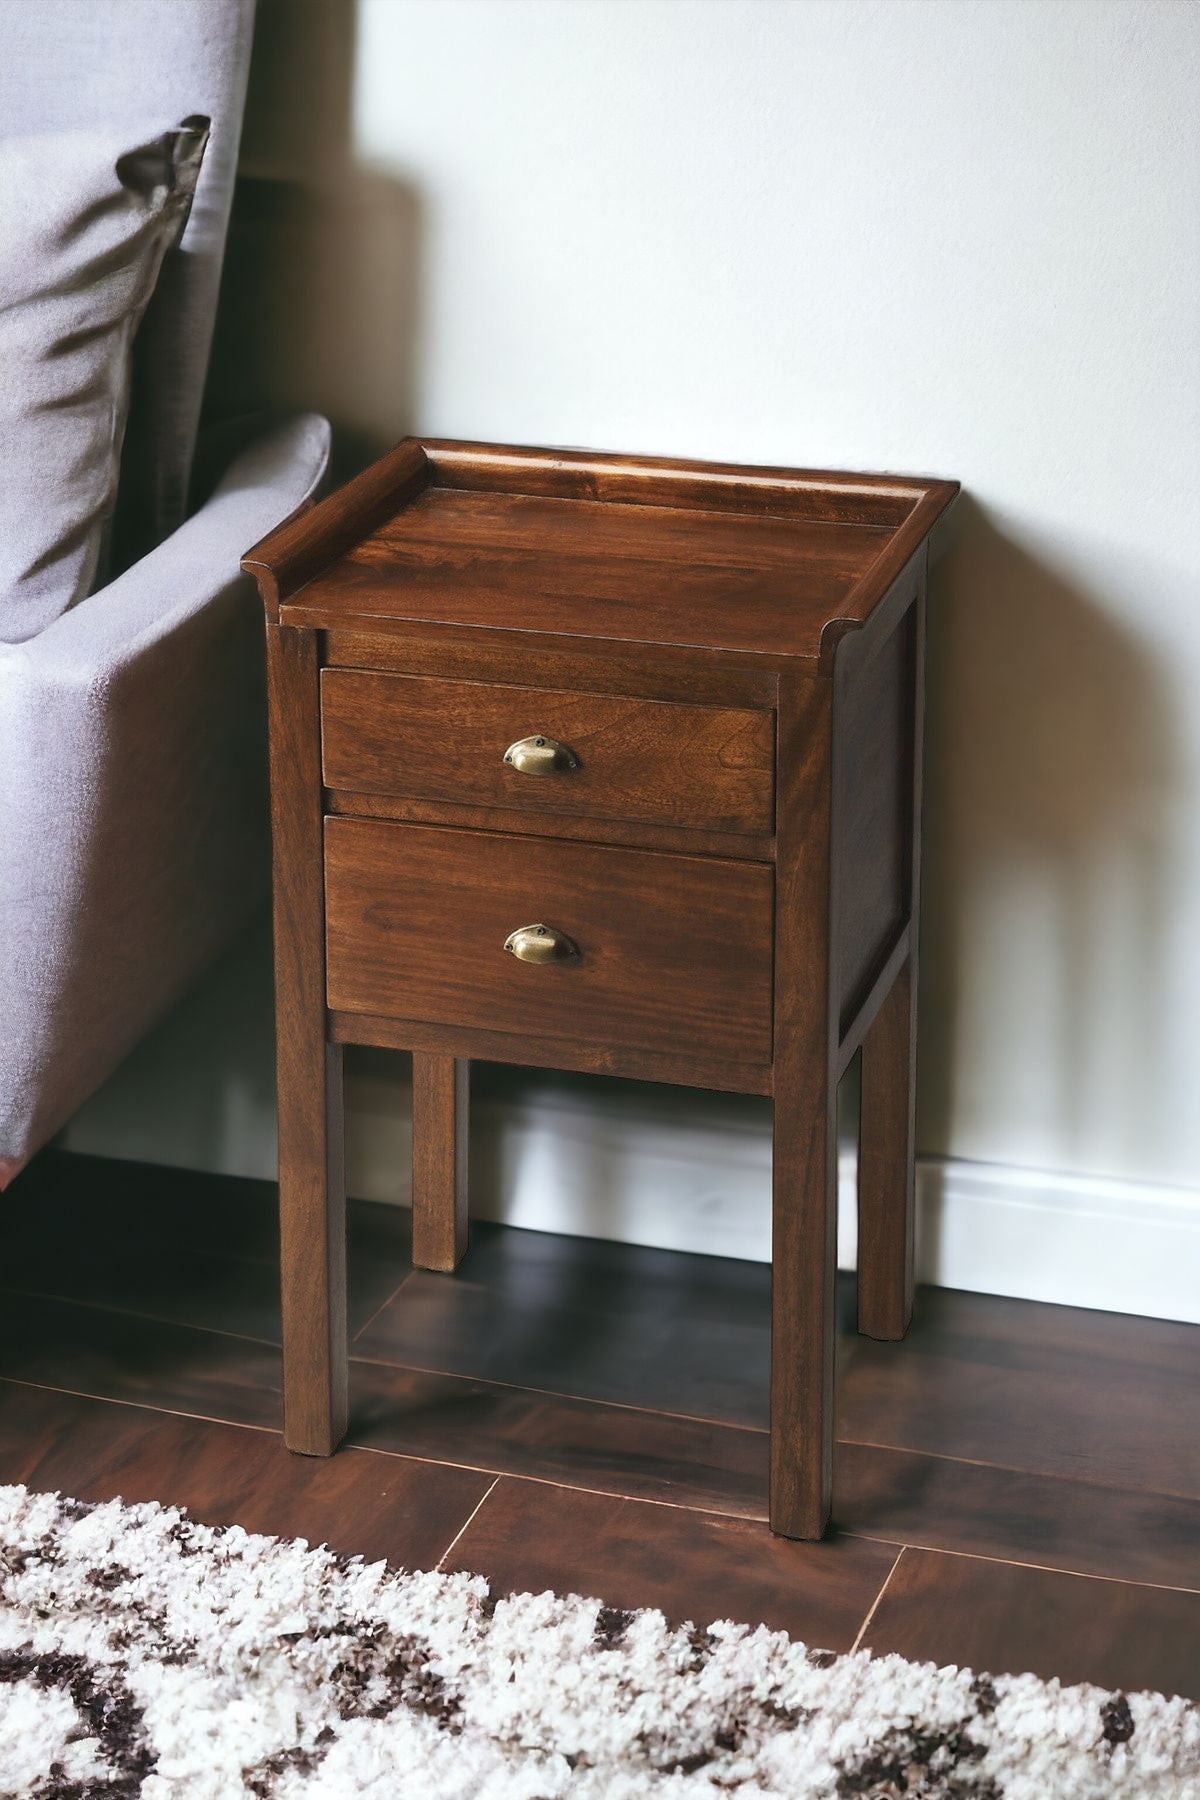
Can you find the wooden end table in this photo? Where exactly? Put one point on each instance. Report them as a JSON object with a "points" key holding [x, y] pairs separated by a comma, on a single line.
{"points": [[613, 764]]}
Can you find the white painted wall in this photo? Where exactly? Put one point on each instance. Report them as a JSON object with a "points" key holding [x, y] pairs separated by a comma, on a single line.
{"points": [[949, 236]]}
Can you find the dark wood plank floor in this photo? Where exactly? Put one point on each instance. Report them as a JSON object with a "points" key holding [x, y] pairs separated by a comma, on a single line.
{"points": [[1018, 1485]]}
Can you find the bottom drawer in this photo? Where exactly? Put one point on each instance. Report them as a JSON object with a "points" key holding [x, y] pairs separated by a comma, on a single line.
{"points": [[655, 951]]}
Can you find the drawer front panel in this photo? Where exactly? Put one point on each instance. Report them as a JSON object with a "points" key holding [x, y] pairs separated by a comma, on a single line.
{"points": [[657, 761], [673, 952]]}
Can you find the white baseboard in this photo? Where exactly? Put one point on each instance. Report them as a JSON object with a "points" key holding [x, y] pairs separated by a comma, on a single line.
{"points": [[595, 1162], [1077, 1240]]}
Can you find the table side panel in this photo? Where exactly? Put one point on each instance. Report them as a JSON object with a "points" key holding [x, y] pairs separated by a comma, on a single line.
{"points": [[875, 684]]}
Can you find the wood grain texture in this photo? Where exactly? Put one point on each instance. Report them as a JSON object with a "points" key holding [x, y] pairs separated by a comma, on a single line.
{"points": [[622, 550], [889, 1046], [590, 569], [1064, 1438], [593, 1319], [695, 1567], [359, 1503], [440, 1099], [1015, 1515], [887, 1163], [582, 1444], [1092, 1406], [874, 721], [856, 1026], [656, 1331], [418, 1413], [988, 1615], [651, 614], [140, 1361], [303, 544], [179, 1245], [583, 667], [749, 846], [701, 1067], [312, 1182], [804, 1165], [656, 761], [621, 479], [673, 950]]}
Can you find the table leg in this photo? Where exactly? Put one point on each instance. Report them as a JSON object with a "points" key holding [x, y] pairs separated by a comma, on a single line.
{"points": [[312, 1240], [804, 1164], [803, 1293], [886, 1164], [312, 1187], [887, 1119], [440, 1087]]}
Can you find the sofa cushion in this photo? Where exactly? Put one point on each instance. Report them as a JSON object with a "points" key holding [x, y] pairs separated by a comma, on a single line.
{"points": [[86, 218]]}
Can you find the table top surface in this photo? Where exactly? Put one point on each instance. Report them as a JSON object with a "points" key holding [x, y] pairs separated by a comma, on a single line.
{"points": [[562, 545]]}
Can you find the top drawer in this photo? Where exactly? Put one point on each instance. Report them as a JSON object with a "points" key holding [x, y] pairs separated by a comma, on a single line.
{"points": [[653, 761]]}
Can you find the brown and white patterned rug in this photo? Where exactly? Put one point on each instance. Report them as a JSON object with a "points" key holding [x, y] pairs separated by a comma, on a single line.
{"points": [[144, 1654]]}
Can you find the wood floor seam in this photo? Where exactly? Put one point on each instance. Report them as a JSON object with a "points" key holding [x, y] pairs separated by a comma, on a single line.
{"points": [[717, 1424], [171, 1412], [1014, 1562], [1017, 1563], [1004, 1456], [519, 1387], [585, 1400], [1010, 1619], [353, 1443], [149, 1318], [870, 1613], [466, 1525], [607, 1493], [704, 1508], [381, 1308], [1002, 1468]]}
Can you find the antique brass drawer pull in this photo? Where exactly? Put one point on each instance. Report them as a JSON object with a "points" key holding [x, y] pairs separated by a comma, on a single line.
{"points": [[540, 944], [540, 756]]}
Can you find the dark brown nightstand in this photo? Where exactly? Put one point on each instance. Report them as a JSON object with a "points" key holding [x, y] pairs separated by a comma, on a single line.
{"points": [[613, 764]]}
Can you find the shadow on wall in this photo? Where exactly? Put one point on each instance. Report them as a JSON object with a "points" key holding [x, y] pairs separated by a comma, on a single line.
{"points": [[1049, 749], [319, 307]]}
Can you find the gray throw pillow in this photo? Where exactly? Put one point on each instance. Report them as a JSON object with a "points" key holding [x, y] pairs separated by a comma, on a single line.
{"points": [[86, 218]]}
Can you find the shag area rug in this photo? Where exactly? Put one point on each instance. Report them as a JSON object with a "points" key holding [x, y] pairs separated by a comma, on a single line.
{"points": [[144, 1654]]}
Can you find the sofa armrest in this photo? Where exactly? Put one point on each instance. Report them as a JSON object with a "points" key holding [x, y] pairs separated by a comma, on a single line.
{"points": [[133, 830], [276, 475]]}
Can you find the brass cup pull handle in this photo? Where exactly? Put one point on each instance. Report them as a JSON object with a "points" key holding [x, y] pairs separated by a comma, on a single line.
{"points": [[540, 755], [540, 944]]}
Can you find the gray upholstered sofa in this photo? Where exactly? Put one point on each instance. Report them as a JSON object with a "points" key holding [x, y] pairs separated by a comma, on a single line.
{"points": [[132, 821]]}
